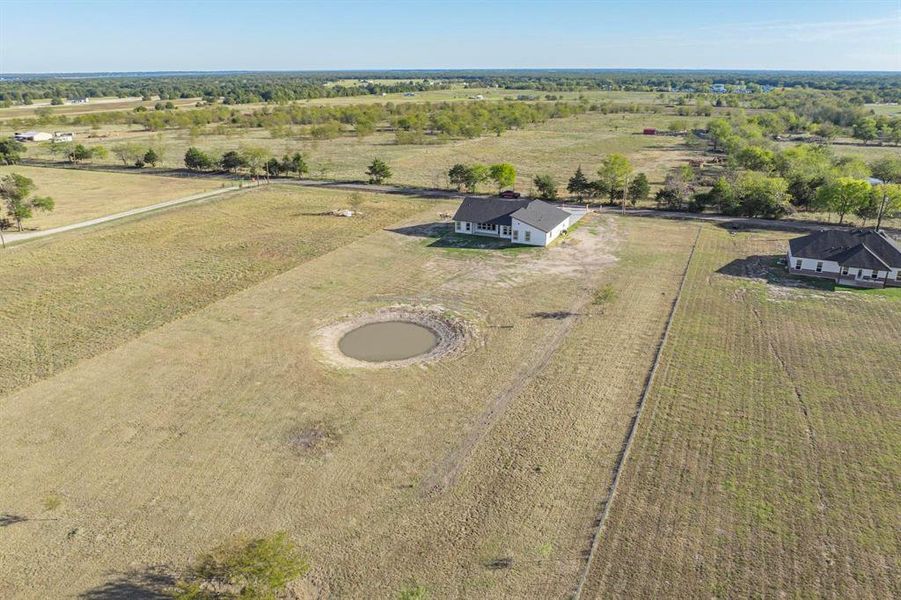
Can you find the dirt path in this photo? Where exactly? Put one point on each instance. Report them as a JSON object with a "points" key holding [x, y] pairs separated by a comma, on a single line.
{"points": [[16, 237]]}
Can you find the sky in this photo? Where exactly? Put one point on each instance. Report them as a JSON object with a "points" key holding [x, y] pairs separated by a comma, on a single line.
{"points": [[165, 35]]}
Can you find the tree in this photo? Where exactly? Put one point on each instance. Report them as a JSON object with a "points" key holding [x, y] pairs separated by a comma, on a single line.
{"points": [[887, 169], [476, 174], [677, 189], [503, 175], [614, 173], [197, 160], [11, 151], [151, 157], [254, 158], [844, 195], [295, 164], [578, 184], [231, 161], [865, 129], [722, 196], [889, 200], [547, 187], [245, 569], [760, 196], [378, 171], [457, 176], [128, 152], [639, 188], [79, 153], [273, 167], [16, 192], [756, 158]]}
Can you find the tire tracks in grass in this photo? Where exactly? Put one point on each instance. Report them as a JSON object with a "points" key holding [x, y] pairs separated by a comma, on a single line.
{"points": [[630, 436]]}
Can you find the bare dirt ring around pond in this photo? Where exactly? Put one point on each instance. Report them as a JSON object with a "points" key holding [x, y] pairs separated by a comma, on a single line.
{"points": [[396, 336]]}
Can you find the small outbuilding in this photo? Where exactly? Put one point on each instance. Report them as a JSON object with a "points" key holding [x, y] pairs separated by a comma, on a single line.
{"points": [[33, 136], [649, 131], [859, 257]]}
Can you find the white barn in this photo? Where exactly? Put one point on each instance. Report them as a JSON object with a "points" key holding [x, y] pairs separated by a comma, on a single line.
{"points": [[859, 258], [522, 221]]}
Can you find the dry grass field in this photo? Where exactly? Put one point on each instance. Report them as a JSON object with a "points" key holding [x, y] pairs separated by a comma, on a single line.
{"points": [[180, 422], [84, 195], [75, 295], [766, 463], [556, 147]]}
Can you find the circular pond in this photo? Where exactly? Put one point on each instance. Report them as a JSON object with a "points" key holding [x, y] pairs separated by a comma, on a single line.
{"points": [[386, 341]]}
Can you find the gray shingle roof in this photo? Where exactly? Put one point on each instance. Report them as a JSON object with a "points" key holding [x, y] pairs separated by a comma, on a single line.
{"points": [[499, 211], [541, 215], [494, 211], [859, 248]]}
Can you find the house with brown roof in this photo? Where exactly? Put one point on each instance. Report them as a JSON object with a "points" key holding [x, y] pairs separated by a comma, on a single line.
{"points": [[859, 257]]}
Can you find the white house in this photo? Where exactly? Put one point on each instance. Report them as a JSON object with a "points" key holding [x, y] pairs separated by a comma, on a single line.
{"points": [[523, 221], [63, 136], [860, 257], [33, 136]]}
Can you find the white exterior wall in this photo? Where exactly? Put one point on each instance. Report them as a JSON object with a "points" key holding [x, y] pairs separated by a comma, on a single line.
{"points": [[536, 236], [810, 264], [833, 268]]}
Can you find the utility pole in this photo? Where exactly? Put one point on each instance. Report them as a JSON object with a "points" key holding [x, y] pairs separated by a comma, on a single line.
{"points": [[882, 206]]}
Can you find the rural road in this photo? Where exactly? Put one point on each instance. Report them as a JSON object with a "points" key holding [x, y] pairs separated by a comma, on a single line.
{"points": [[350, 186], [16, 236]]}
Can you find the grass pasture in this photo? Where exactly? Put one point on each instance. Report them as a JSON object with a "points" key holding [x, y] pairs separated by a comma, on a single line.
{"points": [[426, 473], [766, 462], [86, 292], [81, 195]]}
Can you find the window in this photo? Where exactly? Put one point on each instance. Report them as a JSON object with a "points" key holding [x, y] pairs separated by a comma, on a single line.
{"points": [[798, 264], [820, 267], [844, 270], [528, 235], [516, 234], [468, 226], [875, 274]]}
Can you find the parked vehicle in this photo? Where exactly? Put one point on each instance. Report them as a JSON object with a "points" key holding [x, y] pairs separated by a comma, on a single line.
{"points": [[509, 194]]}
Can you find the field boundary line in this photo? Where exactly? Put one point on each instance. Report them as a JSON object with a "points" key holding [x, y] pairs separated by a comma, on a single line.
{"points": [[630, 436], [16, 237]]}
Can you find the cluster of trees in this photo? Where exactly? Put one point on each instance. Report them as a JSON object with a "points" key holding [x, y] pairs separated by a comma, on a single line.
{"points": [[137, 155], [616, 181], [804, 177], [229, 88], [17, 193], [77, 153], [412, 122], [256, 161], [468, 177]]}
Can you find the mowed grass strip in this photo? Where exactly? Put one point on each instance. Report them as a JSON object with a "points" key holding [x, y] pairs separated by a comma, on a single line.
{"points": [[767, 461], [75, 295], [85, 195]]}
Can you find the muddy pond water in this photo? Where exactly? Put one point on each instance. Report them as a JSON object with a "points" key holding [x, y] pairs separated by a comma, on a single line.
{"points": [[387, 341]]}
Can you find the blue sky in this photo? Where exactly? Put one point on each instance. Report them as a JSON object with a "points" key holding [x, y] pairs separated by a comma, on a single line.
{"points": [[41, 36]]}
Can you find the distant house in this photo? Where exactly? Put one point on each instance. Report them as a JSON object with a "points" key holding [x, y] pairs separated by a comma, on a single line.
{"points": [[82, 100], [718, 88], [860, 257], [33, 136], [63, 136], [523, 221]]}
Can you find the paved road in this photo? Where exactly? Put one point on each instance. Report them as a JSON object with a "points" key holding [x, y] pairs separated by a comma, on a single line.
{"points": [[14, 237]]}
